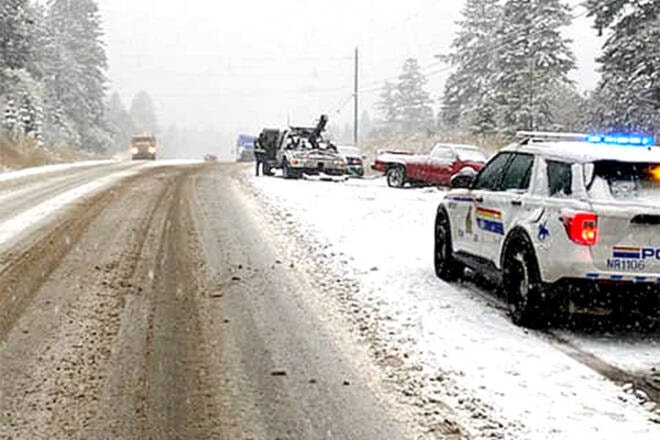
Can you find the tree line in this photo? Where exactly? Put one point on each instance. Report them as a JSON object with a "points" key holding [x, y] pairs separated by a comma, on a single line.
{"points": [[510, 71], [53, 85]]}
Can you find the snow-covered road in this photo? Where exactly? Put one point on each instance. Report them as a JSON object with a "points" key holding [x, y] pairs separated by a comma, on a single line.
{"points": [[32, 196], [502, 381]]}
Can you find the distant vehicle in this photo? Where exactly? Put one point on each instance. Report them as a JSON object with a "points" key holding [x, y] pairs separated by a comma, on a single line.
{"points": [[302, 150], [144, 147], [437, 168], [245, 148], [354, 160], [566, 222], [210, 158]]}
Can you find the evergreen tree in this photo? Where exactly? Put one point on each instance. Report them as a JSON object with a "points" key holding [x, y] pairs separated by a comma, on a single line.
{"points": [[46, 67], [533, 61], [119, 123], [387, 107], [468, 100], [21, 94], [628, 95], [365, 125], [15, 37], [143, 112], [569, 110], [413, 101], [76, 80]]}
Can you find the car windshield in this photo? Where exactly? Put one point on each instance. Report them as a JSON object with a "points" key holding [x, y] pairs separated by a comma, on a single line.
{"points": [[471, 154], [614, 180]]}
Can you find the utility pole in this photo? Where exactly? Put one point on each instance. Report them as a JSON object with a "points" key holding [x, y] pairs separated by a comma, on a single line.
{"points": [[356, 100]]}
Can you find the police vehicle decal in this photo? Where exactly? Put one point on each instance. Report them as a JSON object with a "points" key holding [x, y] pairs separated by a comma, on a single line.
{"points": [[633, 253], [490, 220]]}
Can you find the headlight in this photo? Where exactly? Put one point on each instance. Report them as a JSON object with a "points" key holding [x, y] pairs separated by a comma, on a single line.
{"points": [[152, 150], [134, 150]]}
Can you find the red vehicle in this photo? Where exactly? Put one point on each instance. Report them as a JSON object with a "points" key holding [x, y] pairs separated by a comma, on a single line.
{"points": [[436, 168]]}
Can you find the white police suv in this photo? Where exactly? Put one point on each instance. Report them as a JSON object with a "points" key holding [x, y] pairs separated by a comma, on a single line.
{"points": [[561, 221]]}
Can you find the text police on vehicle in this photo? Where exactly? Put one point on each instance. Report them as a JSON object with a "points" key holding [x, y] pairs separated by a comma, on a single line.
{"points": [[562, 221]]}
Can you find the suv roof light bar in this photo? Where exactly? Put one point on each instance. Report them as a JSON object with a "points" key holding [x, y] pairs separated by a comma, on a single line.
{"points": [[549, 135], [633, 140]]}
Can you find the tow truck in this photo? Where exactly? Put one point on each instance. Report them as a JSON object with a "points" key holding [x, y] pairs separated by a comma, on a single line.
{"points": [[302, 150]]}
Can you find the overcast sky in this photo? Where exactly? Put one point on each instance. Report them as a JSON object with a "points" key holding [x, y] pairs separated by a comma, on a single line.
{"points": [[238, 65]]}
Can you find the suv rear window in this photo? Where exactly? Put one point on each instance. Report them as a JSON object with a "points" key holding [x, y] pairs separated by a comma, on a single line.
{"points": [[626, 181], [560, 179]]}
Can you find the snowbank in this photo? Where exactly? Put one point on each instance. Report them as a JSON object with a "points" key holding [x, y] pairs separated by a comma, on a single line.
{"points": [[503, 381]]}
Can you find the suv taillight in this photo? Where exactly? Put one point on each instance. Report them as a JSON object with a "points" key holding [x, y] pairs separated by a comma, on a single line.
{"points": [[582, 227]]}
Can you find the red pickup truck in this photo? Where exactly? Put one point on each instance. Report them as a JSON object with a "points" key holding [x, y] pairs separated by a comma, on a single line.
{"points": [[437, 168]]}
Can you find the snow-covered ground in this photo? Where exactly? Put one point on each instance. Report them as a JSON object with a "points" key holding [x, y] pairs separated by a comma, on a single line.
{"points": [[6, 174], [503, 381]]}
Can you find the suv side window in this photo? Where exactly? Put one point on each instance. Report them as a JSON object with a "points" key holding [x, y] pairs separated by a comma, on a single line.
{"points": [[489, 177], [560, 178], [519, 172]]}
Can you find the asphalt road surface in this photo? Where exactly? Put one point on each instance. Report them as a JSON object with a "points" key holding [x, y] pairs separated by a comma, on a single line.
{"points": [[163, 307]]}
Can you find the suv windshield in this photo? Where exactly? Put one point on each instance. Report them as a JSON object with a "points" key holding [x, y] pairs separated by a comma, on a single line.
{"points": [[626, 181]]}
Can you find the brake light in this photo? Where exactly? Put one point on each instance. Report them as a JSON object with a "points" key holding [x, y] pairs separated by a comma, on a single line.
{"points": [[582, 227]]}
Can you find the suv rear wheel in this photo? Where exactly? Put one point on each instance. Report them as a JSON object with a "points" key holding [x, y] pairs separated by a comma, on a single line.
{"points": [[396, 176], [525, 292], [446, 267]]}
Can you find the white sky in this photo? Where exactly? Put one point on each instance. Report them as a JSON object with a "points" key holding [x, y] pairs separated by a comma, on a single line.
{"points": [[240, 65]]}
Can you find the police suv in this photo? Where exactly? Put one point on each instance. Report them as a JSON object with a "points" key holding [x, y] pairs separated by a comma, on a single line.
{"points": [[562, 222]]}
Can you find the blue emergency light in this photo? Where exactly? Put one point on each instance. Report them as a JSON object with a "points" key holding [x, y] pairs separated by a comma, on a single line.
{"points": [[635, 140]]}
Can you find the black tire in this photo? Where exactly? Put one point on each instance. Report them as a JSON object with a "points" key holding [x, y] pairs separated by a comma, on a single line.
{"points": [[446, 267], [266, 170], [525, 292], [396, 176], [289, 173]]}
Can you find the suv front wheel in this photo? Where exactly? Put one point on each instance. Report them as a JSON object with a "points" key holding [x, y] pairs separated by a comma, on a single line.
{"points": [[446, 267]]}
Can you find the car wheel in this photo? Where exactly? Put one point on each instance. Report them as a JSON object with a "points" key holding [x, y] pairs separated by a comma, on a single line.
{"points": [[525, 292], [289, 173], [446, 267], [396, 177]]}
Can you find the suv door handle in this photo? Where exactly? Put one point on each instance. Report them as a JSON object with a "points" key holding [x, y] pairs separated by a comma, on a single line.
{"points": [[516, 202]]}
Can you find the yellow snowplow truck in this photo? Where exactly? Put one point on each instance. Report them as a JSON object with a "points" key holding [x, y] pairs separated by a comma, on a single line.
{"points": [[143, 148]]}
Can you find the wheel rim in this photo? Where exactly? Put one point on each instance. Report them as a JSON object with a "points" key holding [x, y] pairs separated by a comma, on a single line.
{"points": [[396, 177]]}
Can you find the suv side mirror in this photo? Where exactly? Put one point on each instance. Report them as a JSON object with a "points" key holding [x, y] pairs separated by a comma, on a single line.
{"points": [[463, 179]]}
